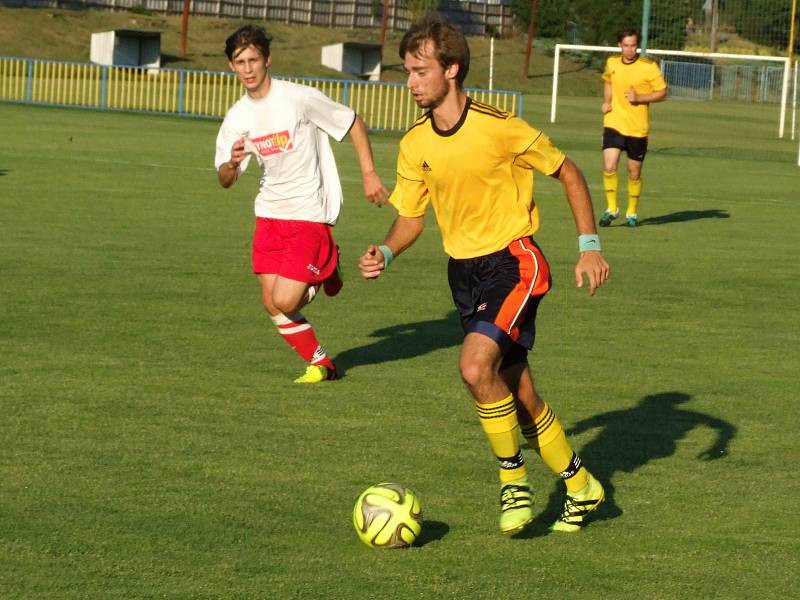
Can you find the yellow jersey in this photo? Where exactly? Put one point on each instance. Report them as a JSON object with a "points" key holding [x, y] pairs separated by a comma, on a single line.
{"points": [[478, 176], [644, 76]]}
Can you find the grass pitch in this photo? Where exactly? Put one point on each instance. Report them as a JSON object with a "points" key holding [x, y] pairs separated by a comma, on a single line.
{"points": [[153, 444]]}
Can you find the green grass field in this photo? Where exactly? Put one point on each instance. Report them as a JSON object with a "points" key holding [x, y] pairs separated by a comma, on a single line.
{"points": [[153, 445]]}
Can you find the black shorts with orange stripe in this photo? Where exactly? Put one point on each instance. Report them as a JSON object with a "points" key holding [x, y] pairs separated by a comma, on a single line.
{"points": [[498, 295]]}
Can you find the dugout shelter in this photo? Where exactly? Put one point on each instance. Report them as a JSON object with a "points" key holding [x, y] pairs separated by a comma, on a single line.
{"points": [[357, 58], [127, 47]]}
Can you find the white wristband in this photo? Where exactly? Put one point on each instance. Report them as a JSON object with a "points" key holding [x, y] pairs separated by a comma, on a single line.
{"points": [[589, 242]]}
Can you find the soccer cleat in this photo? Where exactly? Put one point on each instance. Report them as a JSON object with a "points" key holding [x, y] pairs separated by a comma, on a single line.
{"points": [[607, 217], [577, 508], [333, 284], [516, 505], [316, 374], [633, 220]]}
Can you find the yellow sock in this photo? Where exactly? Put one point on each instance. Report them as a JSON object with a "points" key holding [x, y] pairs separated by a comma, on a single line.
{"points": [[547, 437], [634, 191], [610, 186], [499, 422]]}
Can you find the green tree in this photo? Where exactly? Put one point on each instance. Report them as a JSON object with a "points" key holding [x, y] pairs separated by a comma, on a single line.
{"points": [[766, 22], [598, 22], [668, 22], [551, 21], [420, 8]]}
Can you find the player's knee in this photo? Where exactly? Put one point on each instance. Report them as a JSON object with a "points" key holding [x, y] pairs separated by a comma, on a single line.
{"points": [[286, 304], [266, 302], [475, 374]]}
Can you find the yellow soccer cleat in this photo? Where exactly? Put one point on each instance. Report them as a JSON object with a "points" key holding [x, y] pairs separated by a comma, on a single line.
{"points": [[316, 374], [578, 507], [516, 505]]}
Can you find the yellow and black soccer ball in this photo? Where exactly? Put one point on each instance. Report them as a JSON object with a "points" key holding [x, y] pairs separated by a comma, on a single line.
{"points": [[387, 515]]}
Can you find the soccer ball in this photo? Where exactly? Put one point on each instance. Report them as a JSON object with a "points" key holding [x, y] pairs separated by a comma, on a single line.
{"points": [[387, 515]]}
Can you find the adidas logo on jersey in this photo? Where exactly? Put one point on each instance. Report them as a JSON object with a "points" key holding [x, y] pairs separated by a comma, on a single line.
{"points": [[426, 168]]}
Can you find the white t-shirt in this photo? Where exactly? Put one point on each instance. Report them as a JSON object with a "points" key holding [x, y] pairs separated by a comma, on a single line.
{"points": [[288, 132]]}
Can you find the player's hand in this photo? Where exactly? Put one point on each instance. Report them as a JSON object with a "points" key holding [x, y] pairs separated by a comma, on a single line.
{"points": [[630, 94], [237, 152], [374, 189], [594, 267], [371, 263], [606, 107]]}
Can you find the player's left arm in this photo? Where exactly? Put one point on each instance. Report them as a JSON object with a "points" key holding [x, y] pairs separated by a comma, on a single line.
{"points": [[591, 263], [338, 120], [374, 189], [654, 81], [649, 98], [533, 149]]}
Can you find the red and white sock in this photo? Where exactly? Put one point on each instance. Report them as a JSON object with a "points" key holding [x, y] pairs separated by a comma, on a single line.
{"points": [[299, 334]]}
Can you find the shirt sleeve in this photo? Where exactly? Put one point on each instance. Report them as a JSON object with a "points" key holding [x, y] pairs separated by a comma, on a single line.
{"points": [[607, 71], [531, 148], [410, 195], [656, 79], [333, 118], [226, 136]]}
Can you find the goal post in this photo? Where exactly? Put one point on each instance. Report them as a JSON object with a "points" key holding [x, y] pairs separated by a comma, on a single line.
{"points": [[712, 56], [795, 65]]}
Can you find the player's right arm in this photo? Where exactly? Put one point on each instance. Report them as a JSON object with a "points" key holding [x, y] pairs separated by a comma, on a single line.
{"points": [[607, 89], [402, 234], [410, 197], [607, 92], [228, 172]]}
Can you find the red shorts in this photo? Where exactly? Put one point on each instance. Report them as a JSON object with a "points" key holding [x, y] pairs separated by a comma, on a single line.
{"points": [[298, 250]]}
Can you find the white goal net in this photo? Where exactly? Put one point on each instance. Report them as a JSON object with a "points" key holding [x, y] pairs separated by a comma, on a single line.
{"points": [[704, 76]]}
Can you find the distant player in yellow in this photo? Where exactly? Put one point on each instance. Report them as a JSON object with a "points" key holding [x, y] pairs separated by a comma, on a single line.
{"points": [[632, 83], [474, 164]]}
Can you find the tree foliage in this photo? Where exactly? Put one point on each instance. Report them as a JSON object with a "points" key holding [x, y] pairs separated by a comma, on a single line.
{"points": [[420, 8], [580, 21], [764, 22]]}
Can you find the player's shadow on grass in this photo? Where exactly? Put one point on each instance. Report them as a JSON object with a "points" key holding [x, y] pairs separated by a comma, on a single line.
{"points": [[3, 172], [407, 340], [685, 215], [629, 439]]}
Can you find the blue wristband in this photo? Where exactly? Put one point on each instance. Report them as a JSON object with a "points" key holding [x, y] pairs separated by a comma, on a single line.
{"points": [[388, 256], [589, 242]]}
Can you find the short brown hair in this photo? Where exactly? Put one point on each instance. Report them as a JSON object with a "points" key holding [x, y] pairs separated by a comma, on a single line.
{"points": [[450, 45], [247, 35], [621, 35]]}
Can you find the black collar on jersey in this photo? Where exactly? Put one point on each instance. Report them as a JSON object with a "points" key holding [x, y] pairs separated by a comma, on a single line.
{"points": [[622, 60], [457, 126]]}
